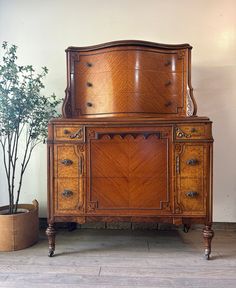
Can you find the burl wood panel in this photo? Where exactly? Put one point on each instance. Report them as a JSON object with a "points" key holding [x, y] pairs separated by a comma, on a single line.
{"points": [[191, 182], [69, 179], [129, 173], [66, 161]]}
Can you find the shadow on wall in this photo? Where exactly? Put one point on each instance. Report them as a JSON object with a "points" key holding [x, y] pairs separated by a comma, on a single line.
{"points": [[214, 88]]}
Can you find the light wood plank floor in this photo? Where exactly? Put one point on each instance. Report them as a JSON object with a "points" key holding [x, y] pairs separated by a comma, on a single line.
{"points": [[123, 258]]}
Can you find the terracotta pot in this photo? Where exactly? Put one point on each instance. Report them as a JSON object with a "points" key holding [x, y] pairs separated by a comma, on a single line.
{"points": [[19, 231]]}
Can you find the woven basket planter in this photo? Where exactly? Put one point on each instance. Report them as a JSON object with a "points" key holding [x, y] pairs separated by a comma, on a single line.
{"points": [[21, 230]]}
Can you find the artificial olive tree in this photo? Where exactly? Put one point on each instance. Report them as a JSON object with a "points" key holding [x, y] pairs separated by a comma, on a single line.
{"points": [[24, 114]]}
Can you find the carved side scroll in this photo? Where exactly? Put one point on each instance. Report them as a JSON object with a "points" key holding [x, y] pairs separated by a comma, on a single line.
{"points": [[66, 107]]}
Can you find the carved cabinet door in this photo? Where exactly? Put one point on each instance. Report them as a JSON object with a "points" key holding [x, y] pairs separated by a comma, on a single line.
{"points": [[129, 171]]}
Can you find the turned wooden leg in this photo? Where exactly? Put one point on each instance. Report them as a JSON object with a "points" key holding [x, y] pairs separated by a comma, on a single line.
{"points": [[51, 233], [208, 234]]}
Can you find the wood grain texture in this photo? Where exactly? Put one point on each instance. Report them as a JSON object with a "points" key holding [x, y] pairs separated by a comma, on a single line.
{"points": [[115, 258], [136, 79]]}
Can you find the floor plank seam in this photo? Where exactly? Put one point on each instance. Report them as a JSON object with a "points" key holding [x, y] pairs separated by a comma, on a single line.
{"points": [[100, 269]]}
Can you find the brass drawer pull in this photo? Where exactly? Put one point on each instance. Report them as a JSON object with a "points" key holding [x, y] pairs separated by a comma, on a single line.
{"points": [[192, 162], [66, 162], [89, 104], [192, 194], [89, 84], [168, 83], [78, 134], [67, 193], [167, 63], [180, 133]]}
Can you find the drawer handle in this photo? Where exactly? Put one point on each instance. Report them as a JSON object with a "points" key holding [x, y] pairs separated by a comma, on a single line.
{"points": [[67, 193], [66, 162], [168, 83], [78, 134], [167, 63], [89, 84], [169, 103], [89, 64], [180, 133], [192, 194], [192, 162], [89, 104]]}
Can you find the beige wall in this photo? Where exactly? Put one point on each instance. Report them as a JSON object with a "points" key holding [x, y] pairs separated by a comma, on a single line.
{"points": [[44, 28]]}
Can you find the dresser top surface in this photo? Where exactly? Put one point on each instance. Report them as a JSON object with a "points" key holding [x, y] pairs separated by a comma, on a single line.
{"points": [[124, 43], [134, 120]]}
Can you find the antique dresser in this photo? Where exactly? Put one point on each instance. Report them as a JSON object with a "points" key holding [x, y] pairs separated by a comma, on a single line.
{"points": [[129, 146]]}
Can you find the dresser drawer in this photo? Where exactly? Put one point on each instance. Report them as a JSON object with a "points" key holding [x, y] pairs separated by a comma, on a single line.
{"points": [[192, 161], [123, 60], [71, 133], [192, 131], [191, 195], [67, 161], [99, 92], [69, 195]]}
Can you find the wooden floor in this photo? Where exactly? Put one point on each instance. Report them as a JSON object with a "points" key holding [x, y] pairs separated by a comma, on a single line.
{"points": [[123, 258]]}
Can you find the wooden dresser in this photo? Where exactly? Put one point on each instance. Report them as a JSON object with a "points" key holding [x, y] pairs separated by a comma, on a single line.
{"points": [[129, 146]]}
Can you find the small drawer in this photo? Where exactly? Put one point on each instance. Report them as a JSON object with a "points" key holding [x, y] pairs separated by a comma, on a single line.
{"points": [[191, 194], [67, 193], [66, 161], [192, 161], [71, 133], [192, 131]]}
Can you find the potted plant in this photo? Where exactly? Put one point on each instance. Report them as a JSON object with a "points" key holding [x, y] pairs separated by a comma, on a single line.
{"points": [[24, 114]]}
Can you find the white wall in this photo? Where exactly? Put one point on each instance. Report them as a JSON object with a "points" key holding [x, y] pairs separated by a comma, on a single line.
{"points": [[44, 28]]}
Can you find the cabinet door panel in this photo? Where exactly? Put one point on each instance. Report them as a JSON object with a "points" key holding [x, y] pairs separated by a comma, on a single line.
{"points": [[129, 171]]}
